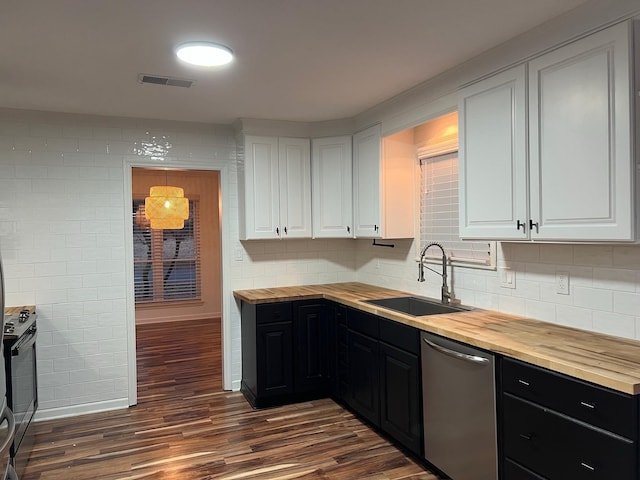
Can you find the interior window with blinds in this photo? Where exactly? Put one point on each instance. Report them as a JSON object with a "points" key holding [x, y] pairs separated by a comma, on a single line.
{"points": [[166, 262], [439, 213]]}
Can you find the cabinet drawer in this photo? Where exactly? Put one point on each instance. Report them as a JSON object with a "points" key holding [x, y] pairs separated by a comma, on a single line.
{"points": [[514, 471], [399, 335], [599, 406], [363, 323], [556, 446], [273, 312]]}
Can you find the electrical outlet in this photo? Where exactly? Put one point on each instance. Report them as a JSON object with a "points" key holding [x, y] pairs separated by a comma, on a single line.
{"points": [[507, 278], [562, 283]]}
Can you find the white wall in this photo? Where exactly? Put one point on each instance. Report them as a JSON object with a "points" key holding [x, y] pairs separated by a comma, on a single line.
{"points": [[62, 235], [604, 282], [63, 186]]}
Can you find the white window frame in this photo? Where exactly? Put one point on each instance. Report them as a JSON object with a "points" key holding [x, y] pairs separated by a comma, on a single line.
{"points": [[450, 146]]}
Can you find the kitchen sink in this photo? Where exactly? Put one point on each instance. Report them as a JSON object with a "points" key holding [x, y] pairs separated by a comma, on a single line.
{"points": [[415, 306]]}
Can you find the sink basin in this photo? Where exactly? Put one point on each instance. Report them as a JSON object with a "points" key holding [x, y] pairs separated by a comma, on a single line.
{"points": [[415, 306]]}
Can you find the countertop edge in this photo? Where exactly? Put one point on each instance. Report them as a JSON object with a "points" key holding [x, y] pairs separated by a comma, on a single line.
{"points": [[532, 341]]}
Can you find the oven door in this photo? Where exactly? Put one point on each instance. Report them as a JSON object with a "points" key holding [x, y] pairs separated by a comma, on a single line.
{"points": [[22, 394]]}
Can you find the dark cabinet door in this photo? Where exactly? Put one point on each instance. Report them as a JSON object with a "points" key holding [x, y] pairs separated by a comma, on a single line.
{"points": [[310, 347], [274, 356], [336, 347], [400, 397], [556, 446], [364, 384]]}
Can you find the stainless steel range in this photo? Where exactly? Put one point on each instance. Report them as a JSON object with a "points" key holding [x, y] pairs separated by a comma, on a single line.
{"points": [[20, 334]]}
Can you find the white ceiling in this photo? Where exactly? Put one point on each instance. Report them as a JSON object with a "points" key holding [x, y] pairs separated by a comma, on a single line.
{"points": [[302, 60]]}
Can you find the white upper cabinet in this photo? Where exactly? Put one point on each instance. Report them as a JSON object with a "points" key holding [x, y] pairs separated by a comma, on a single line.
{"points": [[275, 188], [383, 185], [493, 188], [332, 192], [574, 179], [581, 164]]}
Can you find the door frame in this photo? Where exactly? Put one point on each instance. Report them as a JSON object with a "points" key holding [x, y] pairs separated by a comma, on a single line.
{"points": [[225, 228]]}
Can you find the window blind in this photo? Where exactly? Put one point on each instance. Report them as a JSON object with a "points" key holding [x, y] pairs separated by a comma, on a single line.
{"points": [[439, 213], [166, 262]]}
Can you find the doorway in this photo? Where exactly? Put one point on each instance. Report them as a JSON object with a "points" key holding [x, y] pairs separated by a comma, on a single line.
{"points": [[178, 272]]}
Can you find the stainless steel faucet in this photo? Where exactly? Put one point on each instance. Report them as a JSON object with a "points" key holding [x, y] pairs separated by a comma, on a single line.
{"points": [[446, 295]]}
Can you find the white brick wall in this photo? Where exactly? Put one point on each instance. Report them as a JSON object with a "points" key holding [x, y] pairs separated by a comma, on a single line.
{"points": [[62, 237], [604, 282]]}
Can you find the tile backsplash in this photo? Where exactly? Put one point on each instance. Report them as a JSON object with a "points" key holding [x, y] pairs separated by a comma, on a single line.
{"points": [[604, 282]]}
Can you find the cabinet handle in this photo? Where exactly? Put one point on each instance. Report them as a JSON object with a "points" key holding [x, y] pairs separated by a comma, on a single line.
{"points": [[277, 231], [587, 466], [521, 224], [522, 382], [588, 405], [531, 225], [375, 228], [348, 229], [455, 354], [285, 230], [526, 436]]}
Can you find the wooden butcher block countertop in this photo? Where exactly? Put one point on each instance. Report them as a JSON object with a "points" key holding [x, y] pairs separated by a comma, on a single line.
{"points": [[606, 360], [17, 310]]}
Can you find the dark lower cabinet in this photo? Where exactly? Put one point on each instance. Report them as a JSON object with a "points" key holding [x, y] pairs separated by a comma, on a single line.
{"points": [[311, 348], [284, 352], [364, 383], [558, 427], [384, 384], [400, 406], [274, 349], [514, 471]]}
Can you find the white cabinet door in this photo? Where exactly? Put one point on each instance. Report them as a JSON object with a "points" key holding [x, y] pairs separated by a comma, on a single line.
{"points": [[580, 145], [295, 187], [366, 182], [493, 188], [275, 188], [261, 188], [574, 181], [332, 198]]}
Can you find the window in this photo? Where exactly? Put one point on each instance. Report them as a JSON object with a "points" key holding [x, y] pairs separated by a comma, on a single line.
{"points": [[439, 211], [166, 262]]}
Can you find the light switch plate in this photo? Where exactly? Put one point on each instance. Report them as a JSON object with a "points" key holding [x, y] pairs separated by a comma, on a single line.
{"points": [[507, 278]]}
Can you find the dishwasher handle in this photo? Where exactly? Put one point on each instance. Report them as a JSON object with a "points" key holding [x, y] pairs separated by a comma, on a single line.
{"points": [[459, 355]]}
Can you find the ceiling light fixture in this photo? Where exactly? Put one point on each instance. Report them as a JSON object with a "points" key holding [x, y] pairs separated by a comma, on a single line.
{"points": [[204, 54]]}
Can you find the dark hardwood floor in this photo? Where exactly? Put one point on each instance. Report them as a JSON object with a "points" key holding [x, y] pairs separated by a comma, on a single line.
{"points": [[185, 427]]}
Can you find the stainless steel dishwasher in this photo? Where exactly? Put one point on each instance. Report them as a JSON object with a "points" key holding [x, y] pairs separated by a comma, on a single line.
{"points": [[459, 404]]}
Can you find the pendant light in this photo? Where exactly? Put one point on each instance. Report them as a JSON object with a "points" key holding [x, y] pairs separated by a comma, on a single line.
{"points": [[166, 207]]}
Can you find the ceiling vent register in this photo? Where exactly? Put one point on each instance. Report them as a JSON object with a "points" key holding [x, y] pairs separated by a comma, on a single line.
{"points": [[168, 81]]}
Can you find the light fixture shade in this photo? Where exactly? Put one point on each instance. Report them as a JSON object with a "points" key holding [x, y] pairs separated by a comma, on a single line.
{"points": [[166, 207], [167, 223], [204, 54]]}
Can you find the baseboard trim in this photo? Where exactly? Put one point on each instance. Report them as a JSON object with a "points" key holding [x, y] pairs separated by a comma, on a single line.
{"points": [[84, 409]]}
